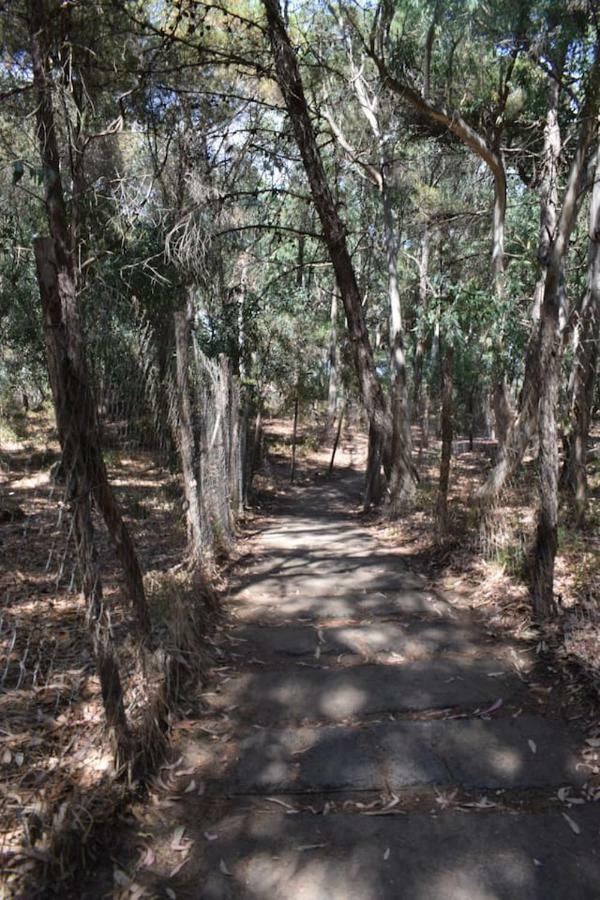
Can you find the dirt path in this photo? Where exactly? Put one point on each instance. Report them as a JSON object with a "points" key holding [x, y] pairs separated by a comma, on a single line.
{"points": [[365, 740]]}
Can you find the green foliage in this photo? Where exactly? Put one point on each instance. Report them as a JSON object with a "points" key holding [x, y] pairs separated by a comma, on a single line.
{"points": [[192, 181]]}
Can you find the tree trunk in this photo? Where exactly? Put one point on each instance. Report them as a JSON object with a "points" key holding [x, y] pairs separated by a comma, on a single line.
{"points": [[550, 360], [58, 255], [420, 401], [334, 232], [373, 479], [335, 443], [402, 471], [188, 451], [503, 413], [294, 437], [98, 622], [66, 396], [447, 357], [585, 360], [547, 527], [471, 418], [523, 427], [498, 225], [332, 394]]}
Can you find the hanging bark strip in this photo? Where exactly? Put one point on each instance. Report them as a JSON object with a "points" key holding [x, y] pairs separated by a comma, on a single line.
{"points": [[84, 415], [334, 232]]}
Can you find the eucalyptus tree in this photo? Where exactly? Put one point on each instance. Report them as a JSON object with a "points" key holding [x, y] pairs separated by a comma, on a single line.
{"points": [[48, 54], [374, 160], [586, 337], [292, 88]]}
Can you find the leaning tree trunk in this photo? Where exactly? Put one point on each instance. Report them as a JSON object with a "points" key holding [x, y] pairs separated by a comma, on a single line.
{"points": [[70, 424], [61, 257], [334, 232], [585, 361], [550, 361]]}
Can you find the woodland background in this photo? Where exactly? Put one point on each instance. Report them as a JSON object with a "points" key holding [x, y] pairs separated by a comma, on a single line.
{"points": [[379, 221]]}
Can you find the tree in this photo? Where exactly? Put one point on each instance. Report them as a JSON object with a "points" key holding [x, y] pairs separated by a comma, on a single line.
{"points": [[290, 83]]}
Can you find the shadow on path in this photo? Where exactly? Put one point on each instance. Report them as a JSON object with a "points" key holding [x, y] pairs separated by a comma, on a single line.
{"points": [[363, 739]]}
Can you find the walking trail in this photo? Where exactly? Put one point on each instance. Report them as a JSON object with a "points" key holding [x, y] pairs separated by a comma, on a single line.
{"points": [[368, 740]]}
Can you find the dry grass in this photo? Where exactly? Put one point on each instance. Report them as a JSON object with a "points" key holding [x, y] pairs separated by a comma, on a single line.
{"points": [[57, 781]]}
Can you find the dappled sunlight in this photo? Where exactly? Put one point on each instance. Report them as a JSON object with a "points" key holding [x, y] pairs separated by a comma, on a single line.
{"points": [[370, 744], [307, 878], [56, 759], [342, 701]]}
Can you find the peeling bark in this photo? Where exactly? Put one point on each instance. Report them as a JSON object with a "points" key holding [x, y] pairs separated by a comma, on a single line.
{"points": [[58, 256], [550, 360]]}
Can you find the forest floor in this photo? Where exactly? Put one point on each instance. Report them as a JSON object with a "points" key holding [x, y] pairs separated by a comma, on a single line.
{"points": [[56, 781], [378, 724]]}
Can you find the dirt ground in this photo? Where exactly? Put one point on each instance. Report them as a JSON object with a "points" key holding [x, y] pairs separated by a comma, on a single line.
{"points": [[365, 733], [55, 779]]}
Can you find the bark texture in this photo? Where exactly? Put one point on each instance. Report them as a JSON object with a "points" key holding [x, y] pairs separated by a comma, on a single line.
{"points": [[188, 451], [585, 362], [334, 234], [550, 360], [524, 426], [66, 397], [65, 312], [447, 428]]}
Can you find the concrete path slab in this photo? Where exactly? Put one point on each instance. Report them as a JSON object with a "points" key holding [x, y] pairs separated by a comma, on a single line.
{"points": [[412, 639], [409, 639], [338, 655], [456, 855], [286, 640], [329, 577], [509, 754], [269, 608], [304, 693], [307, 760]]}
